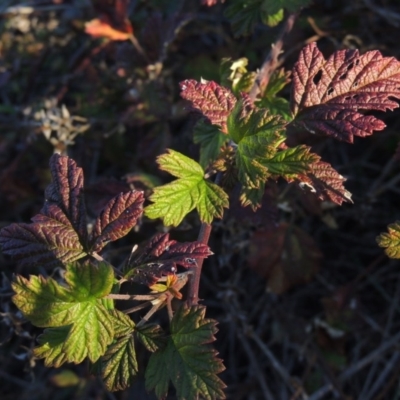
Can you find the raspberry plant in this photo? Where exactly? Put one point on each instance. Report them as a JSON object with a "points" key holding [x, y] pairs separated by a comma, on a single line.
{"points": [[242, 132]]}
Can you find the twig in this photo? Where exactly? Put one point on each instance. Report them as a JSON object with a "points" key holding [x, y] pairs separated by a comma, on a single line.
{"points": [[194, 279], [271, 61], [352, 370], [271, 358], [256, 368]]}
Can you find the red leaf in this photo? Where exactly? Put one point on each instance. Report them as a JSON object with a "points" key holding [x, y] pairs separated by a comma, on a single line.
{"points": [[117, 219], [325, 182], [328, 94], [48, 242], [100, 27], [210, 99], [66, 191], [160, 256]]}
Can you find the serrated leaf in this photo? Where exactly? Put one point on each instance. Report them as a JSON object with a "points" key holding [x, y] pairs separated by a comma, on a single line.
{"points": [[118, 217], [291, 162], [78, 305], [51, 346], [211, 100], [277, 106], [58, 234], [119, 364], [252, 197], [173, 201], [187, 360], [258, 135], [325, 182], [151, 336], [328, 94], [278, 80], [122, 324], [48, 242], [390, 240], [210, 139], [66, 191], [160, 256]]}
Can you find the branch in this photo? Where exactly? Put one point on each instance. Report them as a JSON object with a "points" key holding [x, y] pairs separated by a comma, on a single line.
{"points": [[194, 279], [271, 62]]}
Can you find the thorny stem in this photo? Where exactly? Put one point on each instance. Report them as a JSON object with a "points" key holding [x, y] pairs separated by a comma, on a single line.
{"points": [[271, 62], [194, 279]]}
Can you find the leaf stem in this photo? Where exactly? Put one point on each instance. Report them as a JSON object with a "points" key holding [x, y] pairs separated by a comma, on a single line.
{"points": [[194, 279]]}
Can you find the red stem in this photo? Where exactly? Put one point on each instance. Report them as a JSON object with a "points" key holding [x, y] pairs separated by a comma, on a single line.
{"points": [[194, 279]]}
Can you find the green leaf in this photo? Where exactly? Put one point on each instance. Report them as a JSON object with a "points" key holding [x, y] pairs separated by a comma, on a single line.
{"points": [[122, 324], [51, 346], [391, 240], [187, 360], [151, 336], [278, 80], [78, 305], [173, 201], [258, 135], [252, 197], [119, 364], [272, 19], [234, 74], [291, 162], [245, 14], [277, 106], [210, 139]]}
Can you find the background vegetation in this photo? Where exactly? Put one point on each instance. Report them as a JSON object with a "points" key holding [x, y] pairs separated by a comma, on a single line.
{"points": [[307, 303]]}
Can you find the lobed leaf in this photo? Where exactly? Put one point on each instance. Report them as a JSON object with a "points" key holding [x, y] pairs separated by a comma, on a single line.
{"points": [[325, 182], [160, 256], [173, 201], [77, 305], [119, 364], [117, 219], [51, 346], [291, 161], [327, 95], [390, 240], [151, 336], [187, 360], [48, 242], [66, 191], [210, 99]]}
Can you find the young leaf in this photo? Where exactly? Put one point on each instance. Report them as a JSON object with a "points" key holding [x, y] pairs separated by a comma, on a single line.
{"points": [[210, 139], [117, 219], [77, 305], [234, 74], [390, 240], [173, 201], [119, 364], [328, 94], [210, 99], [161, 256], [187, 360], [325, 182], [258, 135]]}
